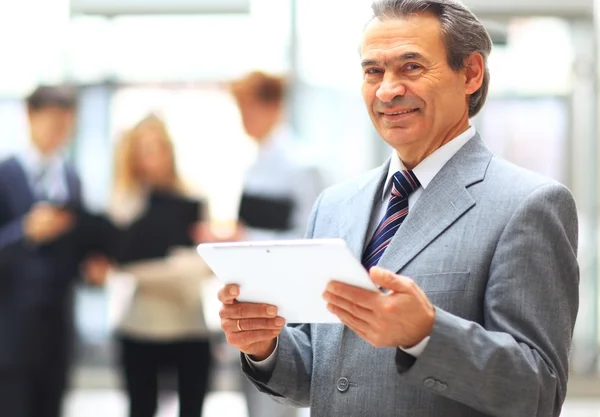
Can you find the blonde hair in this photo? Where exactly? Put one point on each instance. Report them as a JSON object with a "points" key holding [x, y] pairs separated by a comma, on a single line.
{"points": [[126, 179]]}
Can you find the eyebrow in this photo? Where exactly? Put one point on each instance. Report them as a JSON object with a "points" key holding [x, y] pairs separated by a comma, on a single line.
{"points": [[404, 57]]}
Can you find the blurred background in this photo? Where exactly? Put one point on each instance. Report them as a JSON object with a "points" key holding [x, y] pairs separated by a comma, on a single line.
{"points": [[174, 58]]}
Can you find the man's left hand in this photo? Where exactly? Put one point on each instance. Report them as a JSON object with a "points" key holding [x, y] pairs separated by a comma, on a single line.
{"points": [[401, 318]]}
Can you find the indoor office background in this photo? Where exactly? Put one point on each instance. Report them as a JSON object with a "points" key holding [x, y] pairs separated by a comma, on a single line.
{"points": [[173, 58]]}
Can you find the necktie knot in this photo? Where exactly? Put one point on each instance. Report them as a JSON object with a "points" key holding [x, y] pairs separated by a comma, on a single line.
{"points": [[404, 183]]}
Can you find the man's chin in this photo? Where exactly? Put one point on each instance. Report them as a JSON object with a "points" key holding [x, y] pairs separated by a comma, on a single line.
{"points": [[399, 136]]}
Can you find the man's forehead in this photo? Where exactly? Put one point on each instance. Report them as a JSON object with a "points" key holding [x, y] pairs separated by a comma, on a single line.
{"points": [[421, 30]]}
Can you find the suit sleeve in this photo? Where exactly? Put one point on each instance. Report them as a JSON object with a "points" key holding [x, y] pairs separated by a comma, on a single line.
{"points": [[290, 379], [516, 363], [12, 234]]}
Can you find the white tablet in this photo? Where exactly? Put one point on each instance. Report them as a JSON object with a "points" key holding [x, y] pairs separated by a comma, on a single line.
{"points": [[291, 275]]}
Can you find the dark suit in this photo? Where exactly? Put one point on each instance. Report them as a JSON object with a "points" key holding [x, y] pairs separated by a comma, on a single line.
{"points": [[36, 289]]}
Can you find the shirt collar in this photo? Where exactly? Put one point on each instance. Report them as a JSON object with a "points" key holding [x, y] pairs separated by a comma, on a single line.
{"points": [[430, 166], [34, 160]]}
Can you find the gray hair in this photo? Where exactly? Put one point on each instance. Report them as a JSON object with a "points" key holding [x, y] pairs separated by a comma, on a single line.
{"points": [[462, 33]]}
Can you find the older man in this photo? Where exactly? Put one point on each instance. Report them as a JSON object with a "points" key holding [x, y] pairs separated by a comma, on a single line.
{"points": [[479, 256]]}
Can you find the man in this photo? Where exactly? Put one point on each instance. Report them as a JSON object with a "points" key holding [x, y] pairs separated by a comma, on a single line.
{"points": [[279, 188], [38, 260], [479, 279]]}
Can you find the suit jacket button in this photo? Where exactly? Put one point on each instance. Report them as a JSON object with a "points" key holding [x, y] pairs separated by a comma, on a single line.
{"points": [[443, 387], [342, 384], [429, 383]]}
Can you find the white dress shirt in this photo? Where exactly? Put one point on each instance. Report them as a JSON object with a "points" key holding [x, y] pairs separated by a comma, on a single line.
{"points": [[425, 172]]}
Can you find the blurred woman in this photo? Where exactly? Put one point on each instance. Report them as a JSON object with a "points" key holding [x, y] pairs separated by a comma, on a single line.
{"points": [[162, 328]]}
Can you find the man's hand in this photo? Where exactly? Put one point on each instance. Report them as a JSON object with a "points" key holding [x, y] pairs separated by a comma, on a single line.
{"points": [[401, 318], [239, 233], [95, 269], [206, 233], [44, 223], [251, 328]]}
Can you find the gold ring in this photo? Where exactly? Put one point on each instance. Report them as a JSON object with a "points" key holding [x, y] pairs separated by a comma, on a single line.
{"points": [[238, 326]]}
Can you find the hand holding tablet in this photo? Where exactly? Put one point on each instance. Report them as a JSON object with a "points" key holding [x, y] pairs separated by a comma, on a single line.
{"points": [[291, 275]]}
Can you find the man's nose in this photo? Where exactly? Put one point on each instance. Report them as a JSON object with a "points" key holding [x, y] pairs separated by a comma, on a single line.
{"points": [[389, 89]]}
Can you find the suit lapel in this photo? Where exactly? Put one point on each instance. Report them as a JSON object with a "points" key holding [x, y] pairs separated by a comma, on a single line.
{"points": [[74, 194], [359, 208], [444, 201], [20, 181], [357, 211]]}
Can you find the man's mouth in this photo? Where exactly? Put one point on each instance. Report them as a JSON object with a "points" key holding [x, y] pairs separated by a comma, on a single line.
{"points": [[399, 112]]}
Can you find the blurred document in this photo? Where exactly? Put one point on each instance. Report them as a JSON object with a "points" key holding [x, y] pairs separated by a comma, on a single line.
{"points": [[120, 289]]}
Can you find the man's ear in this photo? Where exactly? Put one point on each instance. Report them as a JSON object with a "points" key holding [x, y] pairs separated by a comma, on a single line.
{"points": [[474, 72]]}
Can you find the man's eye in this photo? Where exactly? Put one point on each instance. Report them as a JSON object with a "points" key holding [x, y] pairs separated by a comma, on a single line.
{"points": [[373, 71], [411, 68]]}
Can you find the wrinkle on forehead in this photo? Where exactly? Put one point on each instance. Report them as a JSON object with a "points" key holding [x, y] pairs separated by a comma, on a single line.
{"points": [[422, 31]]}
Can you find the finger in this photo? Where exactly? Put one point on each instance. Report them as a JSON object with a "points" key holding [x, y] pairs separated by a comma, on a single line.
{"points": [[231, 326], [349, 320], [58, 227], [248, 311], [387, 279], [351, 307], [67, 217], [248, 338], [62, 222], [228, 293], [360, 296]]}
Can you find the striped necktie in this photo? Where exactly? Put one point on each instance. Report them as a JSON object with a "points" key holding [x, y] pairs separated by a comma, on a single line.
{"points": [[403, 184]]}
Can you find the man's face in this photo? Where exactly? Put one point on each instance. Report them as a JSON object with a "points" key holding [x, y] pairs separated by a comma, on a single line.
{"points": [[258, 118], [51, 127], [413, 96]]}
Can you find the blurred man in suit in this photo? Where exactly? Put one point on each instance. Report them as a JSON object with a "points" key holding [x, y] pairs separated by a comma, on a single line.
{"points": [[280, 180], [38, 262], [475, 257]]}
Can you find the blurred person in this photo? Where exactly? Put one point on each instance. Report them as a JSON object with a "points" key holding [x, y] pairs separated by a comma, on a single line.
{"points": [[279, 188], [162, 328], [282, 184], [476, 258], [38, 263]]}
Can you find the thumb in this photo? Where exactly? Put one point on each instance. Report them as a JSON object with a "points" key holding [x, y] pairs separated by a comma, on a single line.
{"points": [[389, 280]]}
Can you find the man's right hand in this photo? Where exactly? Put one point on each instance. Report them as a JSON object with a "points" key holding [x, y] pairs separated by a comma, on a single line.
{"points": [[251, 328], [45, 222]]}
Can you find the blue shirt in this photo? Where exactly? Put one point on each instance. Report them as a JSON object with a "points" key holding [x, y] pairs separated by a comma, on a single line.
{"points": [[46, 174], [280, 171]]}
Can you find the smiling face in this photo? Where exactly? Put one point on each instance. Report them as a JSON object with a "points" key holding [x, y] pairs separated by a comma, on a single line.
{"points": [[415, 100]]}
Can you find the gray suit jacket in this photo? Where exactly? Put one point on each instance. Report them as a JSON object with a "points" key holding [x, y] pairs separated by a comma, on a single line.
{"points": [[494, 248]]}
